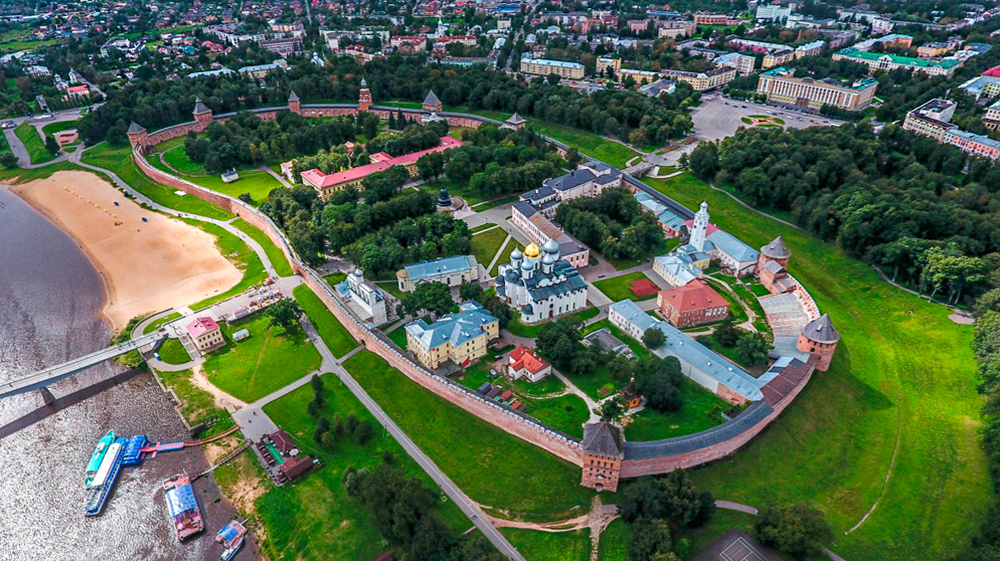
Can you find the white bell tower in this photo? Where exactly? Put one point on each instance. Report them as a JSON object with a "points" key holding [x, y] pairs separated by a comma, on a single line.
{"points": [[700, 228]]}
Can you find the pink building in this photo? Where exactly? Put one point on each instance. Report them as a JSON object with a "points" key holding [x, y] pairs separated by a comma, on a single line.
{"points": [[205, 333]]}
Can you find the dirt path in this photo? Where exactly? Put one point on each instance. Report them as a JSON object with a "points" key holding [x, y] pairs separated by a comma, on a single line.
{"points": [[222, 399]]}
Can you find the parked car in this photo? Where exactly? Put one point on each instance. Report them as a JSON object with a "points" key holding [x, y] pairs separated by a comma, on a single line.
{"points": [[493, 373], [8, 124]]}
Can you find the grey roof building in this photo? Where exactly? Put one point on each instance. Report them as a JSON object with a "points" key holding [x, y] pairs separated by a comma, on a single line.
{"points": [[821, 330], [604, 439]]}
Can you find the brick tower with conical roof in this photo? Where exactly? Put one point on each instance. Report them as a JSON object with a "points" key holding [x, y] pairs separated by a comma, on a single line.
{"points": [[294, 105], [364, 97], [819, 338], [776, 250], [202, 114]]}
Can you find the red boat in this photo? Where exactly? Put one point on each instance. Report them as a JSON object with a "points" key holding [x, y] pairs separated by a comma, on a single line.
{"points": [[183, 505]]}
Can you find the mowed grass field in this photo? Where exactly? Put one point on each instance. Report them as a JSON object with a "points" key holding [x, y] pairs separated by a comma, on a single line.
{"points": [[33, 143], [902, 370], [333, 333], [496, 469], [269, 360]]}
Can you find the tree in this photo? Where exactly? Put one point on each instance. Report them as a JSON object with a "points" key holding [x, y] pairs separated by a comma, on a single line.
{"points": [[322, 427], [8, 160], [364, 432], [431, 540], [284, 313], [653, 338], [727, 334], [671, 497], [317, 384], [435, 297], [351, 423], [51, 145], [651, 541], [752, 348], [661, 383], [329, 440], [573, 157], [704, 160], [313, 409], [611, 411], [796, 529]]}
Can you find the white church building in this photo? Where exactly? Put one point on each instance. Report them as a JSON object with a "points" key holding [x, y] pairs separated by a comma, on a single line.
{"points": [[709, 243], [539, 284], [368, 300]]}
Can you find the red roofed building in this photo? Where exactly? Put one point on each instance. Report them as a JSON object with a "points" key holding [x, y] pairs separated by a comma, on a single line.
{"points": [[326, 185], [525, 363], [995, 72], [643, 288], [76, 92], [692, 304], [205, 333]]}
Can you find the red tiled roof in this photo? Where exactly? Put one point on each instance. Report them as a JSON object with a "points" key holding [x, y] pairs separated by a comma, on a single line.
{"points": [[282, 441], [643, 287], [708, 231], [74, 89], [695, 295], [320, 180], [523, 358]]}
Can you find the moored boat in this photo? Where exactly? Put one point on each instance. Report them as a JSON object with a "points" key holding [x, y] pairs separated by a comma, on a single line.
{"points": [[232, 538], [104, 480], [183, 506], [97, 457]]}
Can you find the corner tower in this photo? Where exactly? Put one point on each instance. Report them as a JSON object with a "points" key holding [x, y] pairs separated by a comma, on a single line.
{"points": [[775, 251], [202, 114], [819, 338]]}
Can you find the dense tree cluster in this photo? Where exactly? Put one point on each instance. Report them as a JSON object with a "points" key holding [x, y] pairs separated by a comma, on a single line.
{"points": [[613, 223], [433, 297], [413, 138], [655, 507], [400, 508], [496, 162], [155, 102], [559, 342], [247, 139], [797, 529], [894, 198]]}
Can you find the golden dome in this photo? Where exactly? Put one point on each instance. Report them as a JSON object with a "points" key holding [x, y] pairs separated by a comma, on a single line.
{"points": [[532, 251]]}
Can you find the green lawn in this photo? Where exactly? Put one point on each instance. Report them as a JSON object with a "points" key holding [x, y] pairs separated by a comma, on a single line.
{"points": [[269, 360], [239, 253], [258, 183], [614, 541], [34, 143], [550, 546], [173, 352], [588, 143], [455, 190], [523, 330], [486, 245], [902, 368], [315, 519], [723, 520], [702, 410], [495, 202], [482, 227], [488, 467], [333, 333], [119, 161], [617, 289], [197, 406], [59, 126], [277, 257], [398, 336], [506, 258], [153, 326]]}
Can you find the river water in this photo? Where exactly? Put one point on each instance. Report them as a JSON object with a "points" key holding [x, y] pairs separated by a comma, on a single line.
{"points": [[50, 302]]}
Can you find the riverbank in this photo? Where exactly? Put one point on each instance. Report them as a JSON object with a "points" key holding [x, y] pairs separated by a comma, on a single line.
{"points": [[146, 266]]}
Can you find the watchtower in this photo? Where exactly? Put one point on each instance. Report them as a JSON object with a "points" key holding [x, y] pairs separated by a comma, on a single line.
{"points": [[202, 114], [603, 452], [294, 105], [819, 338], [364, 97]]}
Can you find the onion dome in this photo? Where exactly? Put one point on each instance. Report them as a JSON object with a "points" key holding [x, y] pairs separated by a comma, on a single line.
{"points": [[548, 259], [532, 251], [821, 330], [551, 246], [516, 254], [527, 265]]}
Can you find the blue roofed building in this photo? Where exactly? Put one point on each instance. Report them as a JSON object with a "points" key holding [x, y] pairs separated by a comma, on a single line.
{"points": [[676, 268], [461, 338], [733, 254], [540, 284], [698, 362], [451, 271]]}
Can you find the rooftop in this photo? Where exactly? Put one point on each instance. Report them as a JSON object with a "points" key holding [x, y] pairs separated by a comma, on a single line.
{"points": [[904, 60], [440, 266], [695, 295], [321, 180], [470, 322], [200, 326]]}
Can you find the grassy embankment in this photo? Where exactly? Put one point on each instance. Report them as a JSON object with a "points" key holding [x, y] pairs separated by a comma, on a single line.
{"points": [[269, 360], [486, 462], [333, 333], [902, 371], [33, 143]]}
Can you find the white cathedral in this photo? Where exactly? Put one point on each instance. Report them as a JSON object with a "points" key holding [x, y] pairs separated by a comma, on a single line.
{"points": [[539, 284]]}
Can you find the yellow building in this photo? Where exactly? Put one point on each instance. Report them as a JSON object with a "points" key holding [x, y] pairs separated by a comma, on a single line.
{"points": [[701, 81], [461, 338], [603, 63], [544, 67]]}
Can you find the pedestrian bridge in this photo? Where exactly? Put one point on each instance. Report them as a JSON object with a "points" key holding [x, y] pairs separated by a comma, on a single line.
{"points": [[53, 374]]}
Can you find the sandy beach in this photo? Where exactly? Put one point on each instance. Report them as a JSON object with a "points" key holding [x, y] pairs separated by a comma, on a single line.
{"points": [[147, 266]]}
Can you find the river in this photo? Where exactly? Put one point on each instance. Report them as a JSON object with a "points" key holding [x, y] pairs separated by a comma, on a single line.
{"points": [[50, 302]]}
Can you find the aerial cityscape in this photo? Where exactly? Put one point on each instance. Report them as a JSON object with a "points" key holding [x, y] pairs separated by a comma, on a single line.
{"points": [[529, 280]]}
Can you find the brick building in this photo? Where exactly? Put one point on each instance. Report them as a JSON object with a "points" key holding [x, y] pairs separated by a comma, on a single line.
{"points": [[692, 304], [603, 452], [819, 338]]}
